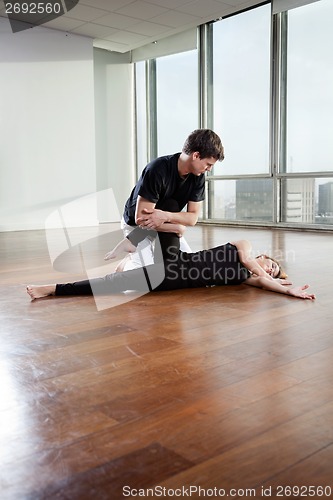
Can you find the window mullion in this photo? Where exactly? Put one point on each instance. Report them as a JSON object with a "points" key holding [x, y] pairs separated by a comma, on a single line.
{"points": [[151, 100]]}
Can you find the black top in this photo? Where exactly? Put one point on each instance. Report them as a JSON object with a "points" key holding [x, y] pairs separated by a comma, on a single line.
{"points": [[160, 181], [214, 267]]}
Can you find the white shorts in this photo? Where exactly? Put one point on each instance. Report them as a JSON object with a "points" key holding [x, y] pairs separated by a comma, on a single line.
{"points": [[144, 255]]}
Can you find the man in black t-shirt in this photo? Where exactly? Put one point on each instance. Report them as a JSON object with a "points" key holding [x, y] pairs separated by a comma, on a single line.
{"points": [[179, 179], [160, 181]]}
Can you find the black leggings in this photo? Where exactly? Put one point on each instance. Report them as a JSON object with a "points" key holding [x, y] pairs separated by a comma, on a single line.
{"points": [[144, 279], [147, 278]]}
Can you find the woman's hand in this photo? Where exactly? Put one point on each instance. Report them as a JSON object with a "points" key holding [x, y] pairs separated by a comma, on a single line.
{"points": [[299, 292], [278, 285]]}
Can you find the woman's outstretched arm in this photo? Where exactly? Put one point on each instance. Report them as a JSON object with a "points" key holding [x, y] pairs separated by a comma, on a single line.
{"points": [[276, 286], [244, 249]]}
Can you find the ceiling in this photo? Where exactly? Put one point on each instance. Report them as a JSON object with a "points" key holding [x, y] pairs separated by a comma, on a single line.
{"points": [[123, 25]]}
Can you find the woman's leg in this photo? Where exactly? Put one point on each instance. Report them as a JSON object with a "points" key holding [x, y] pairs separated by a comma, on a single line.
{"points": [[157, 276], [163, 275], [143, 279], [166, 247]]}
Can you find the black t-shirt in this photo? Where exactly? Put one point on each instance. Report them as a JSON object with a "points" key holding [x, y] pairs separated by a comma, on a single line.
{"points": [[160, 181]]}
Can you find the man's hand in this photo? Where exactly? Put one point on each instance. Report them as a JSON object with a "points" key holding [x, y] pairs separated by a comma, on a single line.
{"points": [[153, 219]]}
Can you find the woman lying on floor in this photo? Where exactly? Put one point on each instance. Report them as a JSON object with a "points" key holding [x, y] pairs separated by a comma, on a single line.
{"points": [[229, 264]]}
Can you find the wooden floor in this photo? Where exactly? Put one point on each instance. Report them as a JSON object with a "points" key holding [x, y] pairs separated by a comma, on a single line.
{"points": [[227, 388]]}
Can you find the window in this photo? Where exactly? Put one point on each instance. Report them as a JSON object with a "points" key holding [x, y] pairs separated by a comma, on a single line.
{"points": [[177, 100], [242, 199], [269, 84], [307, 200], [308, 113], [309, 88], [241, 91]]}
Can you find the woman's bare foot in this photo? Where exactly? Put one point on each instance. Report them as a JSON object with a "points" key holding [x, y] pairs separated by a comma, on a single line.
{"points": [[124, 246], [40, 291]]}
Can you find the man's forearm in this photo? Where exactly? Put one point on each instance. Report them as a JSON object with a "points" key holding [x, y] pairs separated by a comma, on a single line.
{"points": [[154, 218], [184, 218]]}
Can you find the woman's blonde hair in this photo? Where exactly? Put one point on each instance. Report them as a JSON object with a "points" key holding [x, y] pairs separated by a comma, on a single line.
{"points": [[282, 274]]}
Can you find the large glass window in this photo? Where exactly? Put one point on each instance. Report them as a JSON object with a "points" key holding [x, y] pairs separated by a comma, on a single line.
{"points": [[307, 200], [308, 125], [309, 88], [242, 199], [241, 91], [270, 88], [177, 100]]}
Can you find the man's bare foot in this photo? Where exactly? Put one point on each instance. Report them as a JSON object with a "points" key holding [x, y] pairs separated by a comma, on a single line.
{"points": [[40, 291], [124, 246]]}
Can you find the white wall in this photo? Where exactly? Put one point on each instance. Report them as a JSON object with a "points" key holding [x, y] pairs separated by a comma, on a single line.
{"points": [[114, 107], [47, 125]]}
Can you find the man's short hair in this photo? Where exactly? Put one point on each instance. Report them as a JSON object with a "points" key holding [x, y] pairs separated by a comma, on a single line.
{"points": [[206, 142]]}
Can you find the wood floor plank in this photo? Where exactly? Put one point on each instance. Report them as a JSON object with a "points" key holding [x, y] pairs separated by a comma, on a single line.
{"points": [[311, 471], [228, 387], [135, 471], [269, 453]]}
